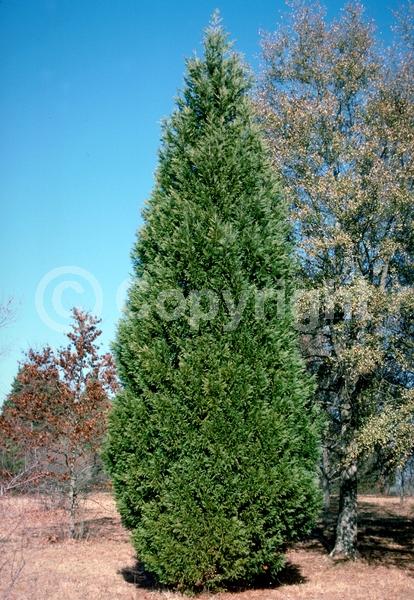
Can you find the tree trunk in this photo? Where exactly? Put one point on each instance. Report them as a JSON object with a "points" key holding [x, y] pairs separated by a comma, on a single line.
{"points": [[402, 485], [346, 527], [325, 480], [73, 503]]}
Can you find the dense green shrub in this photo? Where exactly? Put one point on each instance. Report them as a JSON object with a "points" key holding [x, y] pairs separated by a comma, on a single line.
{"points": [[212, 447]]}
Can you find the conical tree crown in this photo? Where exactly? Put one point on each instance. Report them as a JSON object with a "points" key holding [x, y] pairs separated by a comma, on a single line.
{"points": [[211, 447]]}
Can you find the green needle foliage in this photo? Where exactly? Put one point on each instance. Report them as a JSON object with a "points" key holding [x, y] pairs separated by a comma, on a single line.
{"points": [[212, 445]]}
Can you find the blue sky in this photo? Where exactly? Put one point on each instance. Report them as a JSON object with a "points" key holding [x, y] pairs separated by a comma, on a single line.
{"points": [[85, 85]]}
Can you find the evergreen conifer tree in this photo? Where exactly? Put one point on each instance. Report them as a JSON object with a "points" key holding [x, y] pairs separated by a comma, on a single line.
{"points": [[212, 446]]}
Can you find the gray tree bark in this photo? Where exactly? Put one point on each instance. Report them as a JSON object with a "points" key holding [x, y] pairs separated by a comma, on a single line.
{"points": [[346, 526], [325, 479], [73, 504]]}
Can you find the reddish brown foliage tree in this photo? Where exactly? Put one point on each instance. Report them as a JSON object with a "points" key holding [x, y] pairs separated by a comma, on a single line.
{"points": [[57, 410]]}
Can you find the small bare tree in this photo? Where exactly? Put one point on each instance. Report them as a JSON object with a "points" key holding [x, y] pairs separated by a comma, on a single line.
{"points": [[7, 315], [7, 312]]}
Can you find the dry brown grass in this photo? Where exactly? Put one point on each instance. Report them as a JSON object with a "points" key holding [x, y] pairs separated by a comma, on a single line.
{"points": [[39, 563]]}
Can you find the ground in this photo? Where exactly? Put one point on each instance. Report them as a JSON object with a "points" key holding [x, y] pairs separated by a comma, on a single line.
{"points": [[37, 562]]}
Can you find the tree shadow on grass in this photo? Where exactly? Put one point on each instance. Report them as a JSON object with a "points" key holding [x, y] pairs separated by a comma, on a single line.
{"points": [[289, 575], [384, 537], [137, 576]]}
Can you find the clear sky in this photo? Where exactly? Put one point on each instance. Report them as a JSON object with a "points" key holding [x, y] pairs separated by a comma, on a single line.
{"points": [[84, 86]]}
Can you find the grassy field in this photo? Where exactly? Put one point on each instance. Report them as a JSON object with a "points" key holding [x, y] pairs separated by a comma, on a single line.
{"points": [[37, 562]]}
